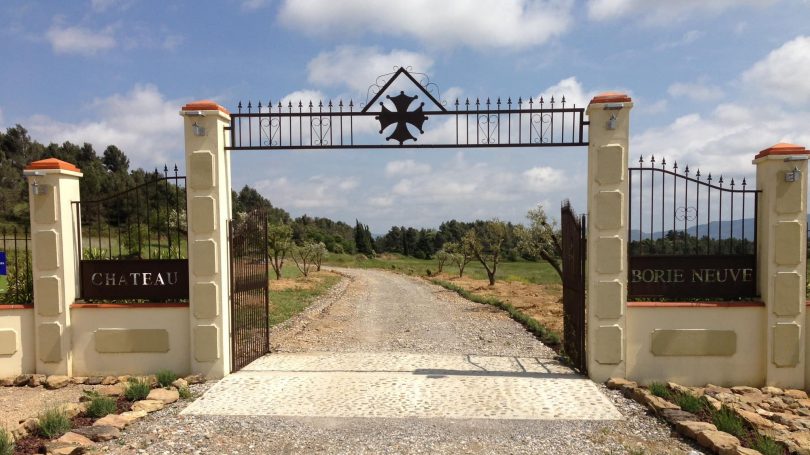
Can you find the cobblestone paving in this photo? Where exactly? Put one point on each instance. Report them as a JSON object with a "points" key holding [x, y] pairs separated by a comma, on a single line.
{"points": [[406, 385]]}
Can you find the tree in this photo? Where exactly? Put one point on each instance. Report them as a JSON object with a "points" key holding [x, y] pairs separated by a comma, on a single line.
{"points": [[114, 160], [541, 239], [279, 241], [320, 250], [460, 255], [442, 257], [362, 239], [486, 241], [304, 256]]}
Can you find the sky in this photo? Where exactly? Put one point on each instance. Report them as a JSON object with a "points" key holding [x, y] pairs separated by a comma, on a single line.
{"points": [[713, 82]]}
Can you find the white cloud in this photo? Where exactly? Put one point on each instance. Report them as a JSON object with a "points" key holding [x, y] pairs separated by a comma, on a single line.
{"points": [[357, 67], [483, 24], [79, 40], [303, 96], [571, 89], [652, 108], [406, 167], [381, 201], [663, 11], [2, 119], [142, 123], [688, 38], [695, 91], [783, 73], [544, 178], [317, 192]]}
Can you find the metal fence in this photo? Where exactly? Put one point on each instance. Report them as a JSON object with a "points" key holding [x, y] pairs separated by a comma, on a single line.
{"points": [[17, 284]]}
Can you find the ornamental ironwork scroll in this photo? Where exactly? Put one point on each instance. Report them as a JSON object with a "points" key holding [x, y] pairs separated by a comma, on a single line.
{"points": [[412, 118]]}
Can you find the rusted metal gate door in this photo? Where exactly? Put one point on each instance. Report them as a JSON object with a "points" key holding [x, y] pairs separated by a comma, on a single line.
{"points": [[250, 290], [573, 260]]}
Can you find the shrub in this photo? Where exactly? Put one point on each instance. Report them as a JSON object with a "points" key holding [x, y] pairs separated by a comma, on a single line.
{"points": [[99, 406], [137, 390], [6, 442], [185, 393], [660, 390], [726, 420], [165, 377], [53, 422], [689, 403], [766, 446]]}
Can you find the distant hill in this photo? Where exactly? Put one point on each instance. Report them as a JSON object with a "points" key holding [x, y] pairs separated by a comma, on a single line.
{"points": [[714, 230]]}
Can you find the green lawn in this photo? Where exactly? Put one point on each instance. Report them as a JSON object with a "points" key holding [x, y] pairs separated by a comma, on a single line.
{"points": [[529, 272], [286, 303]]}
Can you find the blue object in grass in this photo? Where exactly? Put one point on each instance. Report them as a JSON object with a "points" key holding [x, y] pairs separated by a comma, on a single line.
{"points": [[2, 263]]}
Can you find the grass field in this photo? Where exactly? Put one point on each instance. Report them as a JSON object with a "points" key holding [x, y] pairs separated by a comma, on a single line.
{"points": [[521, 271], [293, 293]]}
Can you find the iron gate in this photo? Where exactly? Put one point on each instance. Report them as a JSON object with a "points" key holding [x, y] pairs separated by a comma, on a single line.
{"points": [[573, 259], [250, 289]]}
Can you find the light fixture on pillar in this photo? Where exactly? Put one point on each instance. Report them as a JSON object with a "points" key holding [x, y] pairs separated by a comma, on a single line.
{"points": [[611, 124], [36, 188], [793, 176], [199, 130]]}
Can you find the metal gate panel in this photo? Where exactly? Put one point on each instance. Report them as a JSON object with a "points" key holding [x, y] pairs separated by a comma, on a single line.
{"points": [[250, 290], [573, 260]]}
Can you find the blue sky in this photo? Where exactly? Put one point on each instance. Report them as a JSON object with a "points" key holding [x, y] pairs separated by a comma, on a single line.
{"points": [[713, 82]]}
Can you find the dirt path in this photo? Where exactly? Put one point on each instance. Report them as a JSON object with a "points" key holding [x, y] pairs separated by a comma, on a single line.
{"points": [[392, 364]]}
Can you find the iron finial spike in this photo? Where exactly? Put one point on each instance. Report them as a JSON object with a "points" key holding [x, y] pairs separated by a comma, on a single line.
{"points": [[457, 102], [300, 104], [467, 102], [541, 100], [710, 177], [732, 183], [721, 180], [743, 182], [499, 101], [552, 100], [239, 106], [663, 163], [340, 104], [290, 104], [249, 105], [641, 159], [165, 169], [563, 99], [675, 167], [279, 105], [487, 101], [351, 103], [477, 102], [652, 160], [175, 170], [260, 106], [698, 174], [686, 170], [509, 101]]}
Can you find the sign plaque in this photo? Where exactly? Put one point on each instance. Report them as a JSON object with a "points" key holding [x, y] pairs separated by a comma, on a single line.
{"points": [[161, 279], [693, 276]]}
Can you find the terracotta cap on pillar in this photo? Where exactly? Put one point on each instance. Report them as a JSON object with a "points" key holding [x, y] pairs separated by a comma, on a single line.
{"points": [[783, 148], [611, 97], [204, 105], [51, 163]]}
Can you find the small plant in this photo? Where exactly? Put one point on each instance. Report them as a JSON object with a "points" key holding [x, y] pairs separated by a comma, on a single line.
{"points": [[6, 442], [185, 393], [660, 389], [726, 420], [99, 406], [165, 377], [137, 390], [689, 403], [766, 446], [53, 422]]}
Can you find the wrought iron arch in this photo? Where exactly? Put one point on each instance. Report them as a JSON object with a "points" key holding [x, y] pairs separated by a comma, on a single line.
{"points": [[468, 123]]}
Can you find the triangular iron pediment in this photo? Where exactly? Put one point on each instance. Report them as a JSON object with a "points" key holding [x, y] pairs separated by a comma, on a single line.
{"points": [[416, 83]]}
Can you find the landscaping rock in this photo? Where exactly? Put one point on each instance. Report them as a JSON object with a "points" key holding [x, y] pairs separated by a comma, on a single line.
{"points": [[740, 450], [74, 409], [617, 384], [37, 380], [56, 382], [195, 379], [743, 389], [79, 379], [771, 390], [125, 378], [109, 380], [7, 382], [113, 420], [718, 441], [691, 429], [181, 383], [99, 433], [63, 448], [112, 390], [132, 416], [94, 380], [654, 403], [755, 419], [26, 427], [147, 405], [164, 395], [679, 388], [796, 394], [75, 438], [677, 415], [714, 402], [22, 380], [712, 389]]}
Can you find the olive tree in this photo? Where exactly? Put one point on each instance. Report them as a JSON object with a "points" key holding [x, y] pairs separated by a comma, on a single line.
{"points": [[320, 252], [279, 242], [486, 241], [541, 239], [304, 256], [460, 255], [442, 256]]}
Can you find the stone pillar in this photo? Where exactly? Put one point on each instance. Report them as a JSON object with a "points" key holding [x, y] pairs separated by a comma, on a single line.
{"points": [[781, 259], [208, 189], [53, 185], [608, 133]]}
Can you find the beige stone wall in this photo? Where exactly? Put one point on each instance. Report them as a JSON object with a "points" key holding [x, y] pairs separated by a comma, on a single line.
{"points": [[128, 339], [608, 152], [209, 209], [696, 346], [16, 340]]}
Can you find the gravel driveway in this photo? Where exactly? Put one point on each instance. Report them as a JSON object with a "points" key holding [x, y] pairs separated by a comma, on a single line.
{"points": [[384, 328]]}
